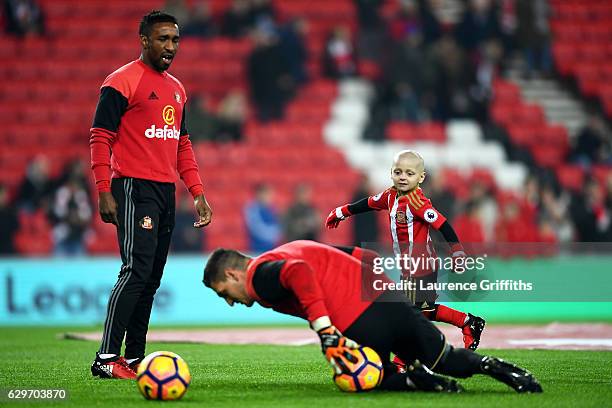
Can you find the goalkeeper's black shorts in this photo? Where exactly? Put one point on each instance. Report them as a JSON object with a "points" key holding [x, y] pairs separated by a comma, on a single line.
{"points": [[393, 324]]}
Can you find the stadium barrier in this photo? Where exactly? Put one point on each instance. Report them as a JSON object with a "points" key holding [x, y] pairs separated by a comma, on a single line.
{"points": [[73, 292]]}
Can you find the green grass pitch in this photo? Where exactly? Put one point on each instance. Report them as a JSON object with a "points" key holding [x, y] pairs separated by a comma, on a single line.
{"points": [[266, 376]]}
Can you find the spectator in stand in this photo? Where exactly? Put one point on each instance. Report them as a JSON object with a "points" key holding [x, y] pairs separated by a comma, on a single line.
{"points": [[237, 21], [9, 223], [178, 9], [531, 198], [202, 121], [407, 20], [589, 213], [231, 115], [302, 220], [185, 238], [512, 227], [482, 197], [546, 235], [486, 71], [200, 23], [452, 76], [554, 217], [372, 36], [36, 189], [269, 75], [438, 192], [293, 44], [468, 225], [368, 13], [339, 60], [261, 10], [508, 24], [71, 212], [478, 24], [594, 142], [262, 221], [608, 205], [416, 15], [74, 170], [406, 72], [431, 25], [24, 18], [533, 36], [224, 125], [365, 225]]}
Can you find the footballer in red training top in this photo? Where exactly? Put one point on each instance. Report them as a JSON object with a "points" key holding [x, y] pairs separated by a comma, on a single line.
{"points": [[411, 215], [321, 284], [139, 147]]}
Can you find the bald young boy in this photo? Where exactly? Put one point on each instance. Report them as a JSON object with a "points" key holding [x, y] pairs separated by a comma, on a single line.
{"points": [[411, 215]]}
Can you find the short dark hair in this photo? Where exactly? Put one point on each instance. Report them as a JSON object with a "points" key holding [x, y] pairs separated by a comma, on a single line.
{"points": [[152, 18], [220, 260]]}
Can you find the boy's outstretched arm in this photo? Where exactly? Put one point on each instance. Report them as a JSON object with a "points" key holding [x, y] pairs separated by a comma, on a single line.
{"points": [[451, 238], [340, 213]]}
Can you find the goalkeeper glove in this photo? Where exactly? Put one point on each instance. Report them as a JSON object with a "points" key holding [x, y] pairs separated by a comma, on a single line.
{"points": [[337, 215], [337, 349]]}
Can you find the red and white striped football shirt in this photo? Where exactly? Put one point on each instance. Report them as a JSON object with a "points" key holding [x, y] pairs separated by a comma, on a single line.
{"points": [[410, 217]]}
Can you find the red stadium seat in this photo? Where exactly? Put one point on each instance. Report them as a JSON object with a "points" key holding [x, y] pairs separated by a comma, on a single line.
{"points": [[484, 176], [34, 235], [502, 113], [319, 90], [402, 131], [306, 112], [530, 114], [554, 135], [548, 156], [522, 135], [571, 177], [433, 132], [581, 45], [603, 174], [506, 92]]}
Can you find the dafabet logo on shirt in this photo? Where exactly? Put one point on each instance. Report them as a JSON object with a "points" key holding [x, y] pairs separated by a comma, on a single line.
{"points": [[168, 132], [168, 114]]}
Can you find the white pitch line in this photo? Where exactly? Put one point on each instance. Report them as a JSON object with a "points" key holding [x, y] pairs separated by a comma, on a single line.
{"points": [[303, 342], [563, 342]]}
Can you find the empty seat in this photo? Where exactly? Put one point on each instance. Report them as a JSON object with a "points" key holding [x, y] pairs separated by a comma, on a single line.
{"points": [[571, 177]]}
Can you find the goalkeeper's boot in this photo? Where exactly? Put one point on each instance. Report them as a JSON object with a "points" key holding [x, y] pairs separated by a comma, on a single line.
{"points": [[421, 378], [115, 367], [519, 379], [472, 330]]}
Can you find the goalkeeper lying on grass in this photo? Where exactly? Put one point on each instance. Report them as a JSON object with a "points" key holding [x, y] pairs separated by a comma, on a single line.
{"points": [[324, 285]]}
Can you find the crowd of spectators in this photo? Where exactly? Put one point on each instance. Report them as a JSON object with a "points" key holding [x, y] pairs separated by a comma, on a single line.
{"points": [[427, 67], [24, 18], [435, 69], [64, 201], [540, 212], [275, 69], [223, 123], [593, 143]]}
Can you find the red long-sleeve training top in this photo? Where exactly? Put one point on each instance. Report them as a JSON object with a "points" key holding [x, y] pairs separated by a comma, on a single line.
{"points": [[311, 280], [139, 129]]}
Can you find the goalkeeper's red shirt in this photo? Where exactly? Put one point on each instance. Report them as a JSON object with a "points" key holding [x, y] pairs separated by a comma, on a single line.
{"points": [[315, 280], [139, 129], [410, 217]]}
